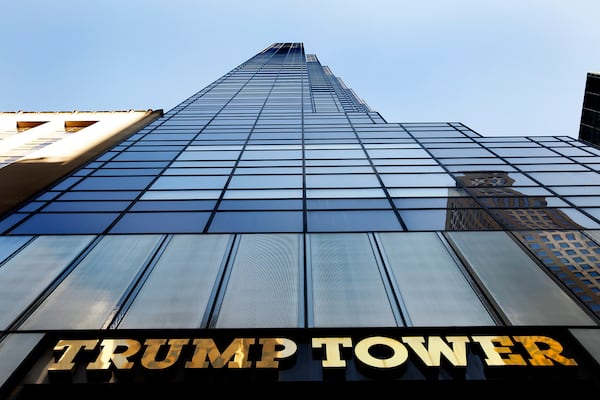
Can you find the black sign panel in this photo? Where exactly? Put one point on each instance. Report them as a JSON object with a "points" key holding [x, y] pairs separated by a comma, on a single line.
{"points": [[437, 360]]}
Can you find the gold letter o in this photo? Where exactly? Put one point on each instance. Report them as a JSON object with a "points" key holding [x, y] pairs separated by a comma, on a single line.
{"points": [[399, 356]]}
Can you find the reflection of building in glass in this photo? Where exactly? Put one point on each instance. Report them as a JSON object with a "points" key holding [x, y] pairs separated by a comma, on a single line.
{"points": [[464, 213], [572, 257], [506, 205]]}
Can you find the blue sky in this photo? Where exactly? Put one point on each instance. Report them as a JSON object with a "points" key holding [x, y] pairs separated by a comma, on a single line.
{"points": [[500, 67]]}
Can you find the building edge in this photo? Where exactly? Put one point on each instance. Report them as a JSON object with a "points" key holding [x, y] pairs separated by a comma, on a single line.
{"points": [[21, 181]]}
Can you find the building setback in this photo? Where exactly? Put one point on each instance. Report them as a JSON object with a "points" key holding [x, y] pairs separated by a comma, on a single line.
{"points": [[272, 234]]}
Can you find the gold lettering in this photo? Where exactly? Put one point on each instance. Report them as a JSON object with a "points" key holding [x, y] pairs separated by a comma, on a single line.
{"points": [[333, 355], [378, 352], [431, 355], [541, 357], [128, 347], [269, 354], [493, 352], [398, 357], [207, 349], [71, 349], [153, 346]]}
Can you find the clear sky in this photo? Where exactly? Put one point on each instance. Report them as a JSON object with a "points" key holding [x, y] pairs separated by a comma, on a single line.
{"points": [[502, 67]]}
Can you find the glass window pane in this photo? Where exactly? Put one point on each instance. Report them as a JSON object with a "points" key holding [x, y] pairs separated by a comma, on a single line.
{"points": [[14, 349], [344, 193], [262, 194], [265, 181], [425, 220], [173, 205], [97, 195], [158, 222], [430, 202], [26, 275], [83, 206], [522, 291], [114, 183], [181, 194], [590, 339], [10, 244], [257, 221], [353, 220], [189, 155], [461, 153], [339, 170], [146, 156], [268, 170], [127, 172], [334, 181], [295, 204], [70, 223], [398, 153], [567, 178], [264, 288], [197, 171], [432, 287], [11, 220], [349, 204], [428, 192], [189, 182], [270, 154], [335, 154], [347, 286], [177, 292], [401, 169], [572, 258], [417, 180], [91, 292], [576, 220]]}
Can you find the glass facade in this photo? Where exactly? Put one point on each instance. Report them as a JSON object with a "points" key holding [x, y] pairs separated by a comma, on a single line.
{"points": [[276, 198]]}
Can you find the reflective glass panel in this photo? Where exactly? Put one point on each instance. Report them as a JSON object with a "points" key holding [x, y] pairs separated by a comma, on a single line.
{"points": [[114, 183], [284, 204], [181, 194], [264, 287], [14, 349], [265, 181], [70, 223], [341, 180], [432, 287], [88, 296], [257, 221], [567, 178], [189, 182], [175, 205], [423, 180], [10, 244], [177, 292], [347, 288], [353, 221], [26, 275], [159, 222], [524, 293]]}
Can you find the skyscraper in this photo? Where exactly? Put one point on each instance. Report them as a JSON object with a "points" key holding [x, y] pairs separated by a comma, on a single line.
{"points": [[589, 127], [272, 231]]}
